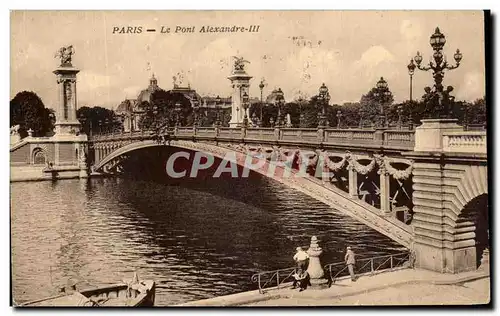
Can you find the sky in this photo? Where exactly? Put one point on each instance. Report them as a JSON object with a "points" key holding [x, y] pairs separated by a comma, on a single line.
{"points": [[295, 50]]}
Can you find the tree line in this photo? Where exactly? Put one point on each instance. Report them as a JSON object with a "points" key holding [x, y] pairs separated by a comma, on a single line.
{"points": [[169, 108]]}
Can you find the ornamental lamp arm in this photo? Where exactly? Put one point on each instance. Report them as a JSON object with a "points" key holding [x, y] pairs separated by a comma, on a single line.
{"points": [[425, 68]]}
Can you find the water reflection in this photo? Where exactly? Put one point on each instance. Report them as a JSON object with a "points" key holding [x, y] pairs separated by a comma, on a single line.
{"points": [[196, 239]]}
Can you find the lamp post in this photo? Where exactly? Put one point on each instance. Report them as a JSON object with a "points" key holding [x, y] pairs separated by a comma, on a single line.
{"points": [[245, 100], [279, 103], [400, 116], [217, 117], [261, 86], [324, 99], [411, 70], [437, 42], [177, 113], [195, 113], [339, 116], [382, 94], [301, 115]]}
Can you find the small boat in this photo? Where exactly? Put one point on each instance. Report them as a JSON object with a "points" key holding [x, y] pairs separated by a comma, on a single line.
{"points": [[127, 294]]}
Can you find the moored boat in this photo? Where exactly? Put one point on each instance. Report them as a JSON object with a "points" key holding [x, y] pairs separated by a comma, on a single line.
{"points": [[127, 294]]}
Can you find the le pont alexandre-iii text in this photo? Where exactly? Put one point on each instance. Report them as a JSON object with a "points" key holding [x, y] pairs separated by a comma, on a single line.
{"points": [[179, 29]]}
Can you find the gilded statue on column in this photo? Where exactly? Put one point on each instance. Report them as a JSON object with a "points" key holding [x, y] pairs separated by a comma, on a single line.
{"points": [[65, 53]]}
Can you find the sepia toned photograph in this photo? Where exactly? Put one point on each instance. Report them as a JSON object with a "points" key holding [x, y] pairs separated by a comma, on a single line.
{"points": [[249, 158]]}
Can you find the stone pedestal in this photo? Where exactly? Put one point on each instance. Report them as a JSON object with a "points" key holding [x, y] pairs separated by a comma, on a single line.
{"points": [[315, 269], [66, 120], [240, 84], [429, 135]]}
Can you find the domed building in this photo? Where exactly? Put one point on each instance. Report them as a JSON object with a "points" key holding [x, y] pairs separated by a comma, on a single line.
{"points": [[132, 109], [273, 97]]}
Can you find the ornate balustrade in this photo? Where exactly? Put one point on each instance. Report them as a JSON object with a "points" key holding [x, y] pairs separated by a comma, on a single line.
{"points": [[261, 133], [465, 142], [349, 136], [400, 139], [300, 134]]}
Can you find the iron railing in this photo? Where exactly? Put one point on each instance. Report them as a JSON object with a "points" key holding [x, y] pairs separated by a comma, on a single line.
{"points": [[368, 266], [276, 279], [273, 279]]}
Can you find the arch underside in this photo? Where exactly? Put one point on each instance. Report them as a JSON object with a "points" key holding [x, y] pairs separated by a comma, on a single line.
{"points": [[309, 185]]}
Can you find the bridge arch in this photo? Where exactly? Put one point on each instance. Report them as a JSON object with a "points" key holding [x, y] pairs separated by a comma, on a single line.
{"points": [[311, 186], [466, 207]]}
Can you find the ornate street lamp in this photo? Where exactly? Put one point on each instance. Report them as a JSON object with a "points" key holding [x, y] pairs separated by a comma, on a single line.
{"points": [[400, 116], [339, 116], [279, 103], [301, 114], [382, 94], [195, 113], [177, 113], [261, 87], [442, 98], [246, 103], [324, 99], [411, 70], [217, 118]]}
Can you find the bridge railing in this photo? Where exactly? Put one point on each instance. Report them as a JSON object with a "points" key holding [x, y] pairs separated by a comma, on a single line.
{"points": [[465, 142], [276, 279], [400, 138]]}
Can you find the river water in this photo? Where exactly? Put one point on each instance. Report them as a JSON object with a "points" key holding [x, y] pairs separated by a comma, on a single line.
{"points": [[195, 239]]}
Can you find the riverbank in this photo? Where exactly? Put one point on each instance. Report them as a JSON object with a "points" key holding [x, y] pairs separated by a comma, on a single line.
{"points": [[403, 287], [28, 173]]}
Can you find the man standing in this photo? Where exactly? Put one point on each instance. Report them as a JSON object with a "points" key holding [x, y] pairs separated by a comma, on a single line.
{"points": [[350, 261], [301, 258]]}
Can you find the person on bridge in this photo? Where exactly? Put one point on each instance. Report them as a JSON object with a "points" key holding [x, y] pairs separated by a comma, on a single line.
{"points": [[350, 261], [301, 258]]}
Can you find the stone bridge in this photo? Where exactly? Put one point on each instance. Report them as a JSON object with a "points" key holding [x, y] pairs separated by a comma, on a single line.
{"points": [[419, 188]]}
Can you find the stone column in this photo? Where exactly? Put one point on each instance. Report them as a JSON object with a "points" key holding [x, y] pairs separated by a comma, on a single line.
{"points": [[385, 191], [353, 181], [315, 269], [66, 80]]}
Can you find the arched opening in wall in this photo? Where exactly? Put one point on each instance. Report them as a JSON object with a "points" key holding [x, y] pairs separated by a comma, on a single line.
{"points": [[476, 213], [38, 156], [76, 155]]}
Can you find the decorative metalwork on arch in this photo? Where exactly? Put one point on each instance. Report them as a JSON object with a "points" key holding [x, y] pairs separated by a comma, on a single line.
{"points": [[309, 185]]}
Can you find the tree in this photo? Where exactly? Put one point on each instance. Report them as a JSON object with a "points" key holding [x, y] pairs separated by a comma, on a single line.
{"points": [[165, 108], [371, 105], [28, 111], [101, 120]]}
